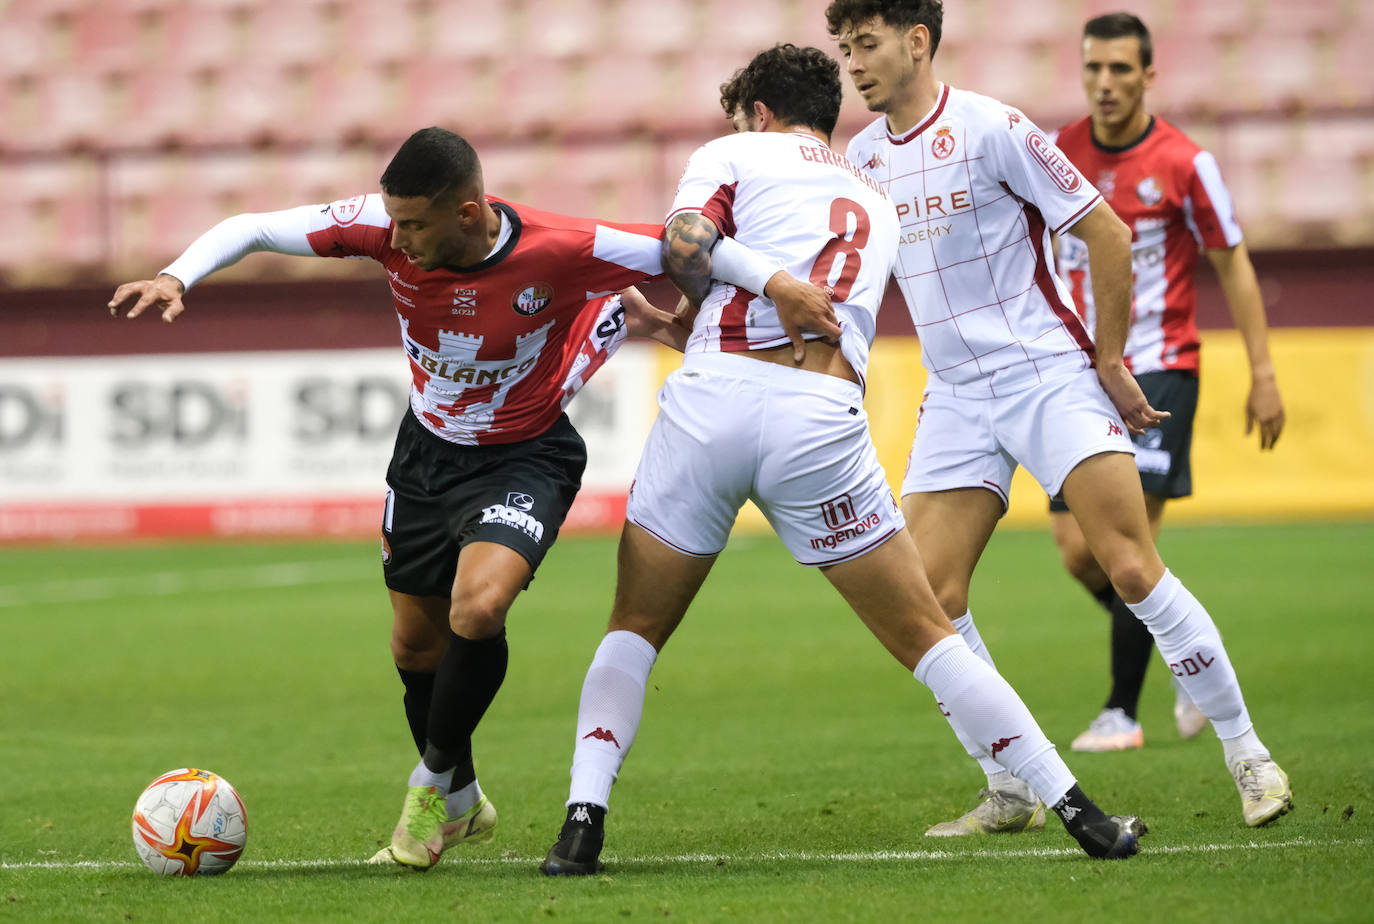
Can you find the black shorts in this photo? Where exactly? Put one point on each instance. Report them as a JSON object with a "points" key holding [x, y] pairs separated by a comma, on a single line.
{"points": [[1162, 453], [441, 496]]}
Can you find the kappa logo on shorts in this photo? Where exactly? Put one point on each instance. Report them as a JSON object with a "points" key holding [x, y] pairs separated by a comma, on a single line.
{"points": [[514, 518], [519, 501]]}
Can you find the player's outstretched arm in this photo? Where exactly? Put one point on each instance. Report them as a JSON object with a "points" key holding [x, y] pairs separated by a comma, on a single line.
{"points": [[1263, 405], [642, 319], [223, 245], [1109, 263], [162, 293]]}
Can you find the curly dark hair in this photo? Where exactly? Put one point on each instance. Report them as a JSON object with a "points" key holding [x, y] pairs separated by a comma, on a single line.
{"points": [[1122, 25], [800, 85], [901, 14], [431, 163]]}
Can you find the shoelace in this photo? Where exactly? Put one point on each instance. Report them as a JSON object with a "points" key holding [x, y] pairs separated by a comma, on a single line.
{"points": [[1248, 782]]}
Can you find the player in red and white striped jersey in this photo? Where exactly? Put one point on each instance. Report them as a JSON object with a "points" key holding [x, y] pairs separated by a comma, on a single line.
{"points": [[1013, 376], [1170, 193], [504, 311]]}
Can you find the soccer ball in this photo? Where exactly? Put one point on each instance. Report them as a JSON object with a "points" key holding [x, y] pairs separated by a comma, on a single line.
{"points": [[189, 823]]}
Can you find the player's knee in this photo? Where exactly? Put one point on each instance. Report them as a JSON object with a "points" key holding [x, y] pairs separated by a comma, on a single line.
{"points": [[478, 614], [953, 598], [416, 652], [1134, 575], [1080, 563]]}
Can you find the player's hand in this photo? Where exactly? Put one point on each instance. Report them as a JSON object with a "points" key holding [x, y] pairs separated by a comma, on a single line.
{"points": [[1264, 407], [163, 293], [642, 319], [802, 307], [1125, 393]]}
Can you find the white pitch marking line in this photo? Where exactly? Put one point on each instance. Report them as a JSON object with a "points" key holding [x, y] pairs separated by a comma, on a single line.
{"points": [[167, 583], [784, 856]]}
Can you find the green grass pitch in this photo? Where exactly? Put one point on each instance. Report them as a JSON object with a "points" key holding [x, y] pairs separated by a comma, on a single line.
{"points": [[785, 770]]}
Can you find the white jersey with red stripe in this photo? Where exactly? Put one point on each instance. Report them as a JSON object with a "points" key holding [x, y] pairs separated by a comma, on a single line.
{"points": [[793, 200], [496, 349], [1170, 192], [978, 189]]}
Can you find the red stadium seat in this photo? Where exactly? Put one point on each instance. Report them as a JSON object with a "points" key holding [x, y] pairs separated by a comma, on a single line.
{"points": [[327, 173], [380, 32], [54, 206], [463, 30], [1213, 19], [1192, 75], [666, 27], [459, 94], [566, 28], [1277, 72]]}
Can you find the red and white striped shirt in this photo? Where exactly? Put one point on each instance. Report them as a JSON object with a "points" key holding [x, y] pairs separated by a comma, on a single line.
{"points": [[496, 349], [1170, 193]]}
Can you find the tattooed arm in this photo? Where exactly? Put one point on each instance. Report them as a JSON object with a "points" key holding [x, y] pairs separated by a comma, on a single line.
{"points": [[688, 241]]}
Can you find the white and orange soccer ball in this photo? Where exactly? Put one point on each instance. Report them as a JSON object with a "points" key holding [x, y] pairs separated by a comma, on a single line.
{"points": [[189, 823]]}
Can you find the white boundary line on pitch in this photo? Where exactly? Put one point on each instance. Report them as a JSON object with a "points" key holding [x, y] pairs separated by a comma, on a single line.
{"points": [[781, 856], [168, 583]]}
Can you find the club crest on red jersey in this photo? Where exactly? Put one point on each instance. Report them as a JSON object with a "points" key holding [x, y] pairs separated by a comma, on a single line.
{"points": [[1148, 191], [532, 299], [942, 145]]}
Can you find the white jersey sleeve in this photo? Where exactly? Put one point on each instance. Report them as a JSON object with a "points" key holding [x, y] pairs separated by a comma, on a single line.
{"points": [[1036, 171], [234, 238]]}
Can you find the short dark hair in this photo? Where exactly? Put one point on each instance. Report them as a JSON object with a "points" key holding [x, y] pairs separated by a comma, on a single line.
{"points": [[901, 14], [431, 163], [1122, 25], [801, 86]]}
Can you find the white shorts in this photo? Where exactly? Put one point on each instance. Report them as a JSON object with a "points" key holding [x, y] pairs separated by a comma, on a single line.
{"points": [[977, 442], [796, 443]]}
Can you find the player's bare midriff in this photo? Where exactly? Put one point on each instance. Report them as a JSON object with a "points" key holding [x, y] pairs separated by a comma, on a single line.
{"points": [[821, 356]]}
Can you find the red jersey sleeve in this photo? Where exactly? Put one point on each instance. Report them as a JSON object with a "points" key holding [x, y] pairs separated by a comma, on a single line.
{"points": [[356, 227]]}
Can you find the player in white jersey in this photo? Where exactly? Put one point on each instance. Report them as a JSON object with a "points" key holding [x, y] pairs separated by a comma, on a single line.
{"points": [[1013, 376], [1171, 194], [748, 417]]}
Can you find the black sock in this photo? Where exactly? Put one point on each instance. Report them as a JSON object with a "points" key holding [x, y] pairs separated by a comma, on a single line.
{"points": [[464, 686], [419, 690], [1104, 596], [1132, 648]]}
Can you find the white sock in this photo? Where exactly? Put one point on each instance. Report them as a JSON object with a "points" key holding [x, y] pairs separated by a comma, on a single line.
{"points": [[979, 700], [975, 750], [608, 714], [463, 800], [423, 776], [1191, 645], [1243, 747]]}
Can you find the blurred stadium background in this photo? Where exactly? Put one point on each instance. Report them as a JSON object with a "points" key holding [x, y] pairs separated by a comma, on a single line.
{"points": [[127, 127]]}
